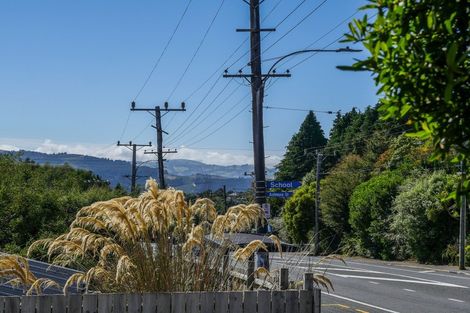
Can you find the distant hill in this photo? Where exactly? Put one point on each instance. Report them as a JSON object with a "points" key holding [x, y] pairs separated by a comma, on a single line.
{"points": [[187, 175]]}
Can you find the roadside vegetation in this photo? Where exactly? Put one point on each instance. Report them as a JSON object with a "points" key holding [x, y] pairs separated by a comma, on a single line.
{"points": [[382, 196], [394, 175], [41, 201]]}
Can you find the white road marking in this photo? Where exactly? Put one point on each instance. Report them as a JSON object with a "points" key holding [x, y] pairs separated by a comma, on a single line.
{"points": [[429, 271], [385, 267], [359, 302], [456, 300], [374, 282], [424, 282], [339, 269], [410, 290], [405, 270]]}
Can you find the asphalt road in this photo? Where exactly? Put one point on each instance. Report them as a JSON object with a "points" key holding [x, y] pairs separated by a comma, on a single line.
{"points": [[374, 286]]}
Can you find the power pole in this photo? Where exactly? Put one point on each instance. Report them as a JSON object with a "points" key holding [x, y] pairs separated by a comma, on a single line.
{"points": [[133, 147], [225, 198], [257, 80], [463, 220], [157, 113], [317, 202], [161, 153]]}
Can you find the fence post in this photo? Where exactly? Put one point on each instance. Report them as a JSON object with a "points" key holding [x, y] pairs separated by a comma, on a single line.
{"points": [[284, 279], [250, 273], [308, 281], [317, 300]]}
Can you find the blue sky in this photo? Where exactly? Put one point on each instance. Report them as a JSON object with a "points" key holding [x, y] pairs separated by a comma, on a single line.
{"points": [[69, 70]]}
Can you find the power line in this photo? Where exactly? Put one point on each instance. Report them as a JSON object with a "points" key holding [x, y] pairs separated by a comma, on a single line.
{"points": [[320, 38], [197, 49], [207, 115], [236, 50], [296, 25], [272, 82], [266, 35], [163, 51], [182, 132], [217, 71], [223, 125], [336, 40], [302, 110], [220, 118], [227, 59], [180, 126]]}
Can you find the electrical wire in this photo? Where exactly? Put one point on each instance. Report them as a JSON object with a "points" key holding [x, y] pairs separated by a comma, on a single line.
{"points": [[217, 71], [228, 58], [290, 30], [182, 132], [309, 14], [181, 125], [197, 50], [164, 50], [207, 116], [301, 110], [236, 50], [268, 34], [214, 123]]}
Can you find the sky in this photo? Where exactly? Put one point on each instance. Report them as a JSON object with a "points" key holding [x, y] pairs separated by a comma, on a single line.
{"points": [[70, 69]]}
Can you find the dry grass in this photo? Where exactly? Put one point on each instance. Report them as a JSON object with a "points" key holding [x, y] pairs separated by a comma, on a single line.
{"points": [[156, 242], [16, 270]]}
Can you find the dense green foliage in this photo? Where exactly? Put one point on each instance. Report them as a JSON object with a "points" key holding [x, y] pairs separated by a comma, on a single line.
{"points": [[336, 190], [297, 162], [298, 214], [370, 208], [38, 201], [420, 59], [422, 224], [381, 196]]}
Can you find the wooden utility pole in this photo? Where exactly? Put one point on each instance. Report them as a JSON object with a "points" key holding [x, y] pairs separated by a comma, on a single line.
{"points": [[161, 153], [463, 220], [134, 148], [257, 80], [225, 198], [317, 202], [157, 113]]}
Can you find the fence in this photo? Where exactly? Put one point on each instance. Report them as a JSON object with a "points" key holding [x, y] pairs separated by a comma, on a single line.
{"points": [[285, 301]]}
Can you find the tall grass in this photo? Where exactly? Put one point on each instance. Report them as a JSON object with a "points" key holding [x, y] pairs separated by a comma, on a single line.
{"points": [[155, 242]]}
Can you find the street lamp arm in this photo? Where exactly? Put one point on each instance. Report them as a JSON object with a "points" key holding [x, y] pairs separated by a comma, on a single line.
{"points": [[347, 49]]}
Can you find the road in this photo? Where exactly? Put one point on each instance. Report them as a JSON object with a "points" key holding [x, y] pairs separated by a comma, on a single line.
{"points": [[373, 286]]}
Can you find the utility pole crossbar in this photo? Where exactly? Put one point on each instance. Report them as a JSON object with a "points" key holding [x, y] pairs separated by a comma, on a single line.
{"points": [[157, 113], [252, 76], [134, 148]]}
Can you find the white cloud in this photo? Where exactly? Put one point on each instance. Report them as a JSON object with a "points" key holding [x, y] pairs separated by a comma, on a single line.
{"points": [[208, 156], [8, 148]]}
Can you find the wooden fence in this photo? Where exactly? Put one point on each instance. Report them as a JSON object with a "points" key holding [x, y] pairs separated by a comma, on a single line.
{"points": [[283, 301]]}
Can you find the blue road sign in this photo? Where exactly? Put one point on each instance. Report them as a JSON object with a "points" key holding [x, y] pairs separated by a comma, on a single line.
{"points": [[283, 184], [281, 194]]}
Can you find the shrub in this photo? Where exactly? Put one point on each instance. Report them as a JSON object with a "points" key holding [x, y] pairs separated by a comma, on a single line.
{"points": [[336, 191], [369, 214], [298, 213], [422, 224]]}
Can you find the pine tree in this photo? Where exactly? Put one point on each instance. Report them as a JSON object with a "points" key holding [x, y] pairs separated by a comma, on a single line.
{"points": [[296, 162]]}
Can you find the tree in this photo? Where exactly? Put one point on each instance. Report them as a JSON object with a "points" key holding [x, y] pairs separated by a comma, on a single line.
{"points": [[296, 162], [369, 214], [420, 59], [336, 191], [38, 201], [298, 213], [423, 225]]}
